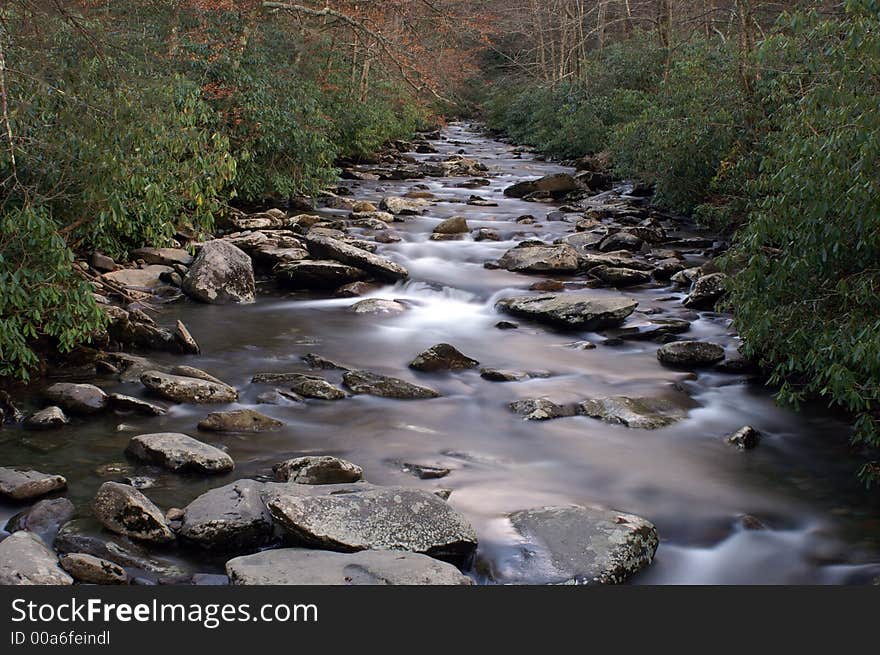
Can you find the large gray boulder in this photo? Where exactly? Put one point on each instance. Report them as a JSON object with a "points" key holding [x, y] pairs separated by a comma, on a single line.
{"points": [[328, 247], [577, 545], [125, 510], [387, 518], [581, 311], [26, 560], [221, 273], [373, 384], [560, 258], [20, 484], [188, 390], [77, 398], [298, 566], [231, 518], [179, 452], [318, 469]]}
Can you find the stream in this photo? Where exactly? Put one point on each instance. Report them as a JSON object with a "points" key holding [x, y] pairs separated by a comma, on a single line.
{"points": [[816, 523]]}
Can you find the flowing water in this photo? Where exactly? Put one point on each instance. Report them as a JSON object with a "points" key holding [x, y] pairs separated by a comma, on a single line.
{"points": [[821, 525]]}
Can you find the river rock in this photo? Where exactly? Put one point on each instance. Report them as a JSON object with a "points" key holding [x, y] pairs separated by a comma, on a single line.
{"points": [[221, 273], [239, 420], [388, 518], [557, 184], [20, 485], [643, 413], [125, 510], [43, 519], [378, 306], [540, 409], [620, 277], [324, 246], [690, 354], [48, 418], [231, 518], [707, 291], [132, 404], [365, 382], [163, 256], [487, 234], [300, 566], [454, 225], [745, 438], [404, 206], [179, 452], [187, 390], [501, 375], [317, 274], [578, 545], [621, 241], [93, 570], [581, 311], [192, 372], [540, 259], [312, 386], [315, 469], [77, 398], [147, 278], [442, 357], [26, 560]]}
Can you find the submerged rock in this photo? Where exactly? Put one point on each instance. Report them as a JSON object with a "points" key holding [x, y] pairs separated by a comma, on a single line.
{"points": [[391, 518], [18, 484], [690, 354], [77, 398], [365, 382], [643, 413], [239, 420], [582, 311], [187, 390], [442, 357], [314, 469], [299, 566], [125, 510], [221, 273], [26, 560], [179, 452], [578, 545], [231, 518]]}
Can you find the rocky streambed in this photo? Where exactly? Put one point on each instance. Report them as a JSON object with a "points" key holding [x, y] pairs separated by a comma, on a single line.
{"points": [[463, 365]]}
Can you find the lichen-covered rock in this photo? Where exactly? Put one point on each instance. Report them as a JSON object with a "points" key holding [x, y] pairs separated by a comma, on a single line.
{"points": [[577, 545], [707, 291], [582, 311], [187, 390], [388, 518], [26, 560], [231, 518], [560, 258], [299, 566], [93, 570], [125, 510], [179, 452], [373, 384], [48, 418], [442, 357], [17, 484], [690, 354], [643, 413], [221, 273], [318, 469], [239, 420], [77, 398]]}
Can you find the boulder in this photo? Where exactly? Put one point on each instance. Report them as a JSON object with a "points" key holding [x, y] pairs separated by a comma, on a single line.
{"points": [[221, 273], [299, 566], [621, 241], [442, 357], [690, 354], [132, 404], [620, 277], [501, 375], [577, 545], [317, 274], [540, 409], [365, 382], [231, 518], [404, 206], [745, 438], [388, 518], [20, 485], [560, 258], [26, 560], [314, 469], [324, 246], [163, 256], [43, 519], [557, 184], [239, 420], [93, 570], [580, 311], [48, 418], [125, 510], [312, 386], [179, 452], [707, 291], [140, 279], [187, 390], [647, 413], [454, 225], [77, 398], [378, 306]]}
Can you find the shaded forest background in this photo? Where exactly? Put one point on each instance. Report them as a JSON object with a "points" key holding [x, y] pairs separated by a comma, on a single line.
{"points": [[123, 123]]}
